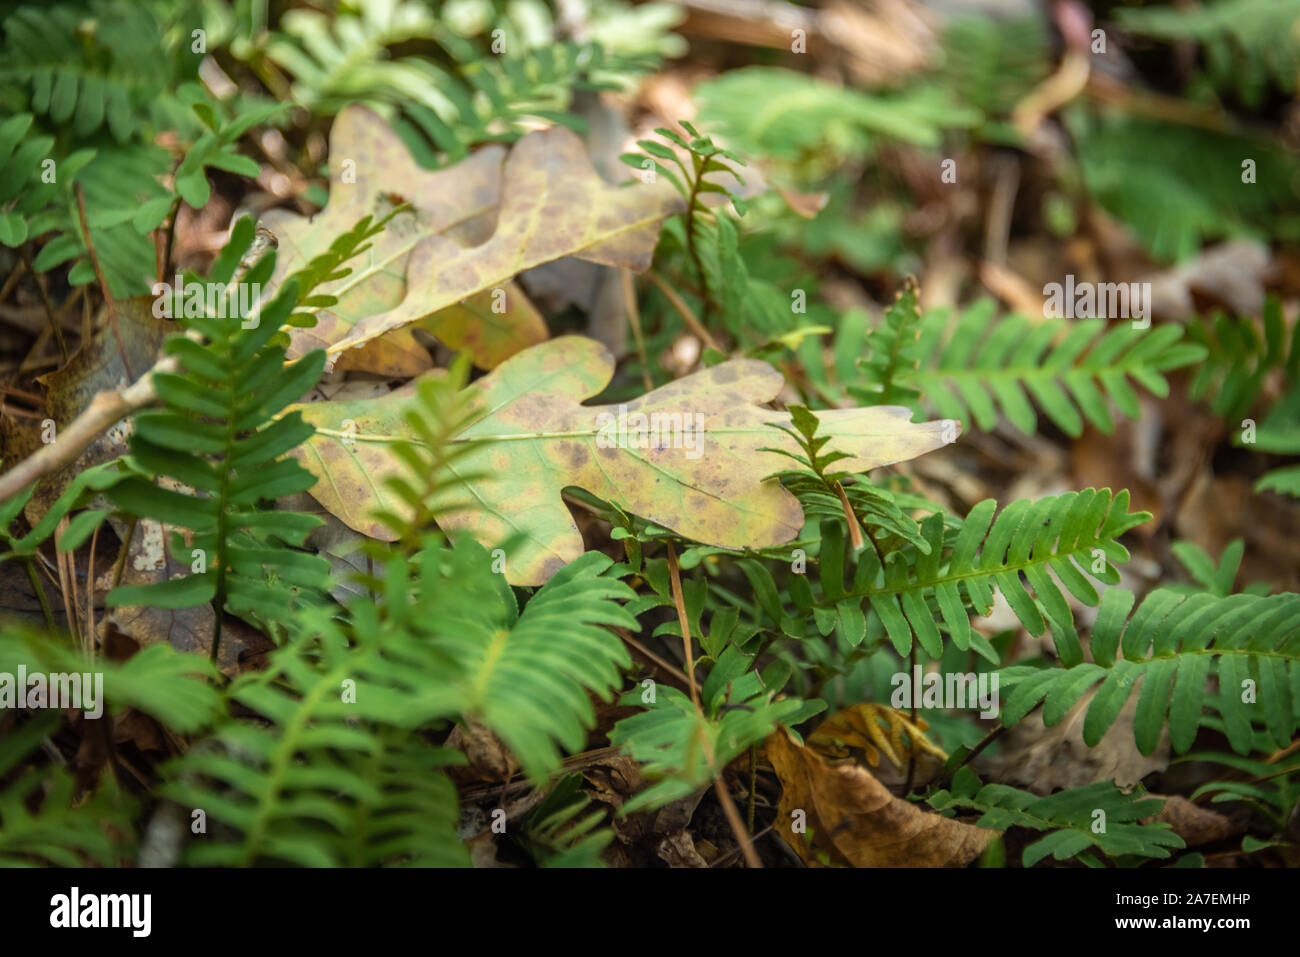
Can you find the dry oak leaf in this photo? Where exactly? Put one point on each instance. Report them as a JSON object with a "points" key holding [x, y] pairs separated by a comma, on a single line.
{"points": [[852, 820], [553, 204], [692, 465], [859, 728], [371, 172]]}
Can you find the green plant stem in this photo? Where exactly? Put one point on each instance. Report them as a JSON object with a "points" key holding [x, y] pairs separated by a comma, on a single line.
{"points": [[39, 589]]}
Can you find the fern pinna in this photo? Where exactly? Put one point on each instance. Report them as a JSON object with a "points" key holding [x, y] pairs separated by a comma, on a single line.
{"points": [[980, 365], [218, 436], [1173, 644]]}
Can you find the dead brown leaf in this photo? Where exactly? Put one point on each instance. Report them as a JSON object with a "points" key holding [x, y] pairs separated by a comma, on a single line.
{"points": [[852, 819]]}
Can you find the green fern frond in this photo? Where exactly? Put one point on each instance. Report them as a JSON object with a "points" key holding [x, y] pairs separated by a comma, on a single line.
{"points": [[1272, 787], [157, 680], [526, 675], [57, 833], [1070, 817], [218, 435], [801, 115], [338, 770], [1152, 176], [1173, 643], [989, 63], [311, 784], [1027, 553], [674, 742], [1247, 43], [44, 819], [347, 57], [1241, 357], [557, 834], [982, 366], [103, 64], [1209, 576]]}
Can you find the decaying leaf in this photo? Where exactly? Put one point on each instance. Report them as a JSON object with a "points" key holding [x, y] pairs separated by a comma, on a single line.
{"points": [[859, 728], [553, 204], [686, 456], [851, 819], [371, 172], [448, 262]]}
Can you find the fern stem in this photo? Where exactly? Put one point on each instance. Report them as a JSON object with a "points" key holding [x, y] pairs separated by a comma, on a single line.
{"points": [[691, 202], [170, 241], [35, 578], [684, 311], [45, 301], [678, 600]]}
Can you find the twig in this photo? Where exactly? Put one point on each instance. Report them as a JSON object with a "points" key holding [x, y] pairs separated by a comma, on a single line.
{"points": [[103, 283], [753, 785], [732, 853], [984, 742], [911, 757], [67, 583], [685, 312], [166, 258], [676, 579], [663, 663], [106, 409], [720, 788], [634, 320], [90, 595], [12, 281], [737, 825]]}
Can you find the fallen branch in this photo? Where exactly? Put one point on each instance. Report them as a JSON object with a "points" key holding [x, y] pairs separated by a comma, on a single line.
{"points": [[106, 409]]}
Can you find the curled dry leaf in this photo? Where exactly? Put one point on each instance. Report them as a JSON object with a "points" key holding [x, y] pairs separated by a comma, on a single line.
{"points": [[1196, 825], [471, 229], [852, 820], [688, 456], [859, 728], [371, 171], [553, 204]]}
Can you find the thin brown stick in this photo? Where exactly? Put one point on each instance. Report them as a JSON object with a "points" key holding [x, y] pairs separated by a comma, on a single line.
{"points": [[103, 283], [659, 660], [67, 583], [90, 595], [106, 409], [634, 320], [732, 853], [45, 301], [737, 825], [685, 312], [12, 281], [675, 575], [720, 788], [31, 397]]}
